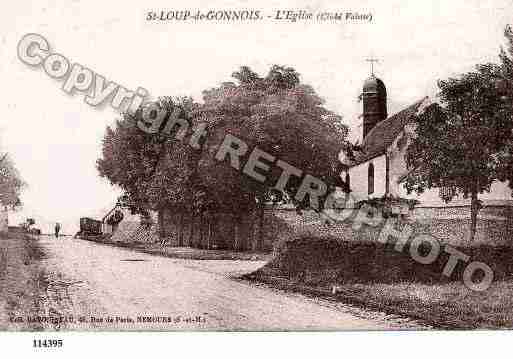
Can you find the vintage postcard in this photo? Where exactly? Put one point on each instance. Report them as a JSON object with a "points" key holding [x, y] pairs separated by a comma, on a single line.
{"points": [[266, 166]]}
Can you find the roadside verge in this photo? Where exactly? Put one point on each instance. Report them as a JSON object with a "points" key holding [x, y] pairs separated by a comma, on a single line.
{"points": [[183, 252], [22, 282]]}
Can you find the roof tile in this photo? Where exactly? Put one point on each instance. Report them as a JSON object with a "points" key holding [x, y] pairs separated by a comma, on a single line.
{"points": [[384, 133]]}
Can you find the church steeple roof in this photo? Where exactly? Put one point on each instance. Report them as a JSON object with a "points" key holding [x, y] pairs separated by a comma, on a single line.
{"points": [[374, 85], [385, 132], [374, 98]]}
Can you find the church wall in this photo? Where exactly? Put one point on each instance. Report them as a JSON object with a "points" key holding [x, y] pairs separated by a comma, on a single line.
{"points": [[446, 221], [359, 179]]}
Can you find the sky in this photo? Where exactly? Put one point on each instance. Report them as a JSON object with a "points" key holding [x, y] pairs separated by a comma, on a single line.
{"points": [[55, 138]]}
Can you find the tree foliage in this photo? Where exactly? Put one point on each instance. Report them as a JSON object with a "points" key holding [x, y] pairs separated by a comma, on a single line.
{"points": [[505, 89], [461, 143], [276, 113], [11, 183], [152, 171], [279, 115]]}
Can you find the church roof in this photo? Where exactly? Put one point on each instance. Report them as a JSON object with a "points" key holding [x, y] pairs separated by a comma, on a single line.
{"points": [[384, 133], [374, 85]]}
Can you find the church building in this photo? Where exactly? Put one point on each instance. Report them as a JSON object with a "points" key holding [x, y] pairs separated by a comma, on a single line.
{"points": [[379, 169]]}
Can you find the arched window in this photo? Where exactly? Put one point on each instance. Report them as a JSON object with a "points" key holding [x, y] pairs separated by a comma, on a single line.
{"points": [[348, 182], [370, 179]]}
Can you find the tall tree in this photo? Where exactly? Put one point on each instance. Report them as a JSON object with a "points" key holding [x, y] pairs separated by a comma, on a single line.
{"points": [[458, 142], [153, 171], [276, 113], [504, 87], [279, 115], [11, 183], [282, 116]]}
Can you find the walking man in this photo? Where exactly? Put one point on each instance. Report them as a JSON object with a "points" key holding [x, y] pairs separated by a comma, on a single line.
{"points": [[57, 229]]}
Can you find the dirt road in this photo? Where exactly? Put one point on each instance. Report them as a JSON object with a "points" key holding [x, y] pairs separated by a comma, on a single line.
{"points": [[110, 288]]}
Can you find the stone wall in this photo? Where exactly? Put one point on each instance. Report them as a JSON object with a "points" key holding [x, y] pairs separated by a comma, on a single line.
{"points": [[449, 224], [222, 231], [452, 224], [489, 212]]}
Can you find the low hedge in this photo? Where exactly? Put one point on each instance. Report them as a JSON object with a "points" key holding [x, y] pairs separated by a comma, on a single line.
{"points": [[326, 260]]}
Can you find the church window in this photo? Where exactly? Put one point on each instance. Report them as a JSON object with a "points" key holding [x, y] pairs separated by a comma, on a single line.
{"points": [[371, 178]]}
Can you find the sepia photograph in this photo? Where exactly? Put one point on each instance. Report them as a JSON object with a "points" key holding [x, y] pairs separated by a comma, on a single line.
{"points": [[227, 166]]}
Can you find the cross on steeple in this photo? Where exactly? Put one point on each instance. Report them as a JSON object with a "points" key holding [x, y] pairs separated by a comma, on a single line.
{"points": [[372, 60]]}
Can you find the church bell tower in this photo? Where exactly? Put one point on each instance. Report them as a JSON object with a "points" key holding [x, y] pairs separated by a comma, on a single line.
{"points": [[374, 97]]}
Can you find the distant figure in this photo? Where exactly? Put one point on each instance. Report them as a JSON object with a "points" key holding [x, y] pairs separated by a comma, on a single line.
{"points": [[57, 229]]}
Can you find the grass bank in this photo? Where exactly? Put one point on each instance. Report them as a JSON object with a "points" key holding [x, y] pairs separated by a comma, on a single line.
{"points": [[375, 276], [22, 281]]}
